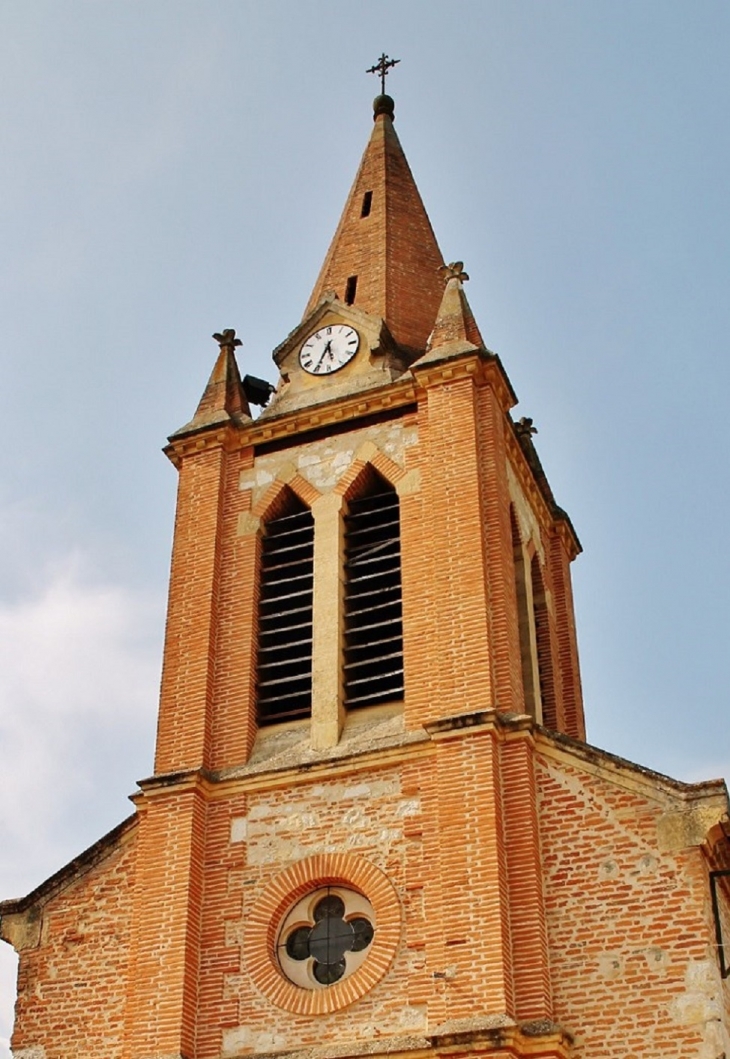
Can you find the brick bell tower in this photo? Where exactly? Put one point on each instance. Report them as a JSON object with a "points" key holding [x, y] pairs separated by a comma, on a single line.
{"points": [[374, 825]]}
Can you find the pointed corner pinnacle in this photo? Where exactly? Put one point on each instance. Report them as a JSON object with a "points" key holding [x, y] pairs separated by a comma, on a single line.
{"points": [[455, 324], [223, 398]]}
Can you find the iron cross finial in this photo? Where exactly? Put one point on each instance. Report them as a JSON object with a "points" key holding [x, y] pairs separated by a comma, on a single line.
{"points": [[383, 67]]}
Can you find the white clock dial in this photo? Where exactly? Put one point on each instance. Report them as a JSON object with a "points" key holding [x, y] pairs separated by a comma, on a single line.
{"points": [[329, 349]]}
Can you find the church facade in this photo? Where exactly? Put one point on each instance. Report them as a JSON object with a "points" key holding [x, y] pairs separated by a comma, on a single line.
{"points": [[375, 826]]}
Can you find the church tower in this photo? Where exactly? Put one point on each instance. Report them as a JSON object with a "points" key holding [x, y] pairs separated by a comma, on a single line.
{"points": [[374, 825]]}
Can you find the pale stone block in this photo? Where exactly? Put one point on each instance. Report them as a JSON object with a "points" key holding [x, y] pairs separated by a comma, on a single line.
{"points": [[276, 850], [342, 460], [412, 1018], [248, 524], [237, 1039], [655, 958], [239, 829], [367, 451], [610, 965], [410, 483], [261, 812], [286, 472], [609, 869], [687, 827], [648, 865], [408, 807], [22, 929], [374, 789], [691, 1008], [701, 1002], [355, 817]]}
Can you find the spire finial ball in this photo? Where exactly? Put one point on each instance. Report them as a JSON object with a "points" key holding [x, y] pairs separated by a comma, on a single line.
{"points": [[384, 105]]}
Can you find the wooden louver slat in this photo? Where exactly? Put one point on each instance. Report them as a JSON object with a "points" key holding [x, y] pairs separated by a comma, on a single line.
{"points": [[373, 601], [284, 674]]}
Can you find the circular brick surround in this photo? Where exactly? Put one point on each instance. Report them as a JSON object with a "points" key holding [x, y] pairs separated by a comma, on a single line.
{"points": [[265, 919]]}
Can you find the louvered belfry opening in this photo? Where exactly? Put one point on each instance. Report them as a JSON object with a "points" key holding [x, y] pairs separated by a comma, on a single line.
{"points": [[284, 675], [373, 599]]}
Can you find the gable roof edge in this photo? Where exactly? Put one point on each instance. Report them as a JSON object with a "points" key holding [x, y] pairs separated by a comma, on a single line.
{"points": [[627, 773], [75, 868]]}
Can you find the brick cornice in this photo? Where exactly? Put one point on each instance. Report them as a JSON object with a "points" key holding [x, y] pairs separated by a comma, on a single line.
{"points": [[483, 367], [565, 531], [552, 517], [526, 478], [504, 723], [247, 777], [486, 1035], [236, 435], [194, 443], [264, 776], [339, 761], [186, 780]]}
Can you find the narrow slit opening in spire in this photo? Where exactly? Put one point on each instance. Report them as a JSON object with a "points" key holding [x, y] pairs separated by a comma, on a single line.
{"points": [[350, 290], [367, 202]]}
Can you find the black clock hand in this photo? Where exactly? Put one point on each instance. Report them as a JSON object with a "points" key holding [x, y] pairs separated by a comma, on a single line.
{"points": [[327, 349]]}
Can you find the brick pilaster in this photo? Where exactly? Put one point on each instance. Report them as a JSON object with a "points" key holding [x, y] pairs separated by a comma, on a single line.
{"points": [[567, 639], [456, 669], [533, 999], [504, 628], [469, 909], [183, 732], [163, 984], [553, 700], [233, 706]]}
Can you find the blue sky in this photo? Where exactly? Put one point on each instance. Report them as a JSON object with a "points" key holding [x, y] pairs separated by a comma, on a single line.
{"points": [[170, 168]]}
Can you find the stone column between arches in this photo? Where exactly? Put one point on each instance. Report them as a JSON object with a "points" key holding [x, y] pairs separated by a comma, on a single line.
{"points": [[328, 711]]}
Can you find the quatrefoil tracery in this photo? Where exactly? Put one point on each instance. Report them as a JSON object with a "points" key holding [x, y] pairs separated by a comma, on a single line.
{"points": [[332, 942]]}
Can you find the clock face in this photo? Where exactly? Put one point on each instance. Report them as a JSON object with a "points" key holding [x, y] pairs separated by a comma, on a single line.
{"points": [[329, 349]]}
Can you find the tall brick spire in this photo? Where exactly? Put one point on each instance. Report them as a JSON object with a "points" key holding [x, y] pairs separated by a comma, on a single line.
{"points": [[384, 257]]}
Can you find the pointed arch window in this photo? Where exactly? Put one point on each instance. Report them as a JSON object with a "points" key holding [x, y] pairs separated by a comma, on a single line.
{"points": [[284, 671], [525, 622], [542, 643], [373, 596]]}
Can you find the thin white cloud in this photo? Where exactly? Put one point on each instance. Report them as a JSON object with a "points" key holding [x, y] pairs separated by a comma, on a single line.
{"points": [[79, 671]]}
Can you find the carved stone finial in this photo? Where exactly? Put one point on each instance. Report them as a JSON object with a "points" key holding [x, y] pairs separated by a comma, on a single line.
{"points": [[227, 340], [455, 270], [524, 427]]}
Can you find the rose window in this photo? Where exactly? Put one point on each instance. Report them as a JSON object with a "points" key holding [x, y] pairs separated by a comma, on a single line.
{"points": [[325, 937]]}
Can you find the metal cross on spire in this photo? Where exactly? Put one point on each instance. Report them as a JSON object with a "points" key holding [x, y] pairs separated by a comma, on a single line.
{"points": [[383, 67]]}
